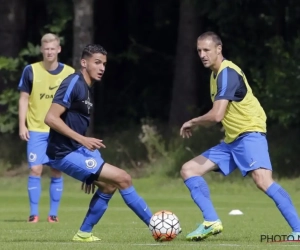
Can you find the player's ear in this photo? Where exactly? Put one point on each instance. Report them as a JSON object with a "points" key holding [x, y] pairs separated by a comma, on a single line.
{"points": [[59, 49], [83, 63], [219, 49]]}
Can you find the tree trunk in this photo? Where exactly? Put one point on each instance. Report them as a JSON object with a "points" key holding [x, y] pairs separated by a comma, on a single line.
{"points": [[184, 92], [83, 34], [83, 28], [12, 28], [280, 17]]}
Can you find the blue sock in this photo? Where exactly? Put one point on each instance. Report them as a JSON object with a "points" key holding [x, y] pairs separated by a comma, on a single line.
{"points": [[34, 193], [98, 206], [137, 204], [55, 190], [285, 205], [200, 194]]}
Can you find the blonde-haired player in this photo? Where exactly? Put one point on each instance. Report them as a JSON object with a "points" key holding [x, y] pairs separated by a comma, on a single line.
{"points": [[37, 87]]}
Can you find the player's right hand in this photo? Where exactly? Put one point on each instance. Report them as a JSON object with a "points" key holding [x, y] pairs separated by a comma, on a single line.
{"points": [[24, 133], [186, 130], [92, 143]]}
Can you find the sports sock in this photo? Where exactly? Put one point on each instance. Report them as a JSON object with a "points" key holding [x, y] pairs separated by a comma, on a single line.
{"points": [[98, 206], [285, 205], [200, 194], [55, 191], [137, 204], [34, 193]]}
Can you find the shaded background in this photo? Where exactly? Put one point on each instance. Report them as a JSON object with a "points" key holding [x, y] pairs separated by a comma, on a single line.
{"points": [[154, 80]]}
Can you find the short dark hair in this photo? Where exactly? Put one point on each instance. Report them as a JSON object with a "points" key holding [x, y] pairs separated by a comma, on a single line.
{"points": [[209, 34], [91, 49]]}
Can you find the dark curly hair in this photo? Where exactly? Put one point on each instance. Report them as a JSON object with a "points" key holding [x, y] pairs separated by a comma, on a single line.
{"points": [[91, 49]]}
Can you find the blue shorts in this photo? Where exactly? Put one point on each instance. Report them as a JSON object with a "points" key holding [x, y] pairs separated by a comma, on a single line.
{"points": [[36, 148], [248, 152], [81, 164]]}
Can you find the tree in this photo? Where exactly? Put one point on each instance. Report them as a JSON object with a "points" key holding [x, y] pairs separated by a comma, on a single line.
{"points": [[83, 34], [184, 91], [83, 28], [12, 28]]}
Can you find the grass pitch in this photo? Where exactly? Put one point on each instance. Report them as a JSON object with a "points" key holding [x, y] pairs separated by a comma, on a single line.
{"points": [[121, 229]]}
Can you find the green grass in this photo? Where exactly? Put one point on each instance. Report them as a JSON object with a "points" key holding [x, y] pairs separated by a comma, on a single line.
{"points": [[121, 229]]}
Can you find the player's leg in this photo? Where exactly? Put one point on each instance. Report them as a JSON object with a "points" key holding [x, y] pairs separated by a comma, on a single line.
{"points": [[192, 173], [264, 181], [35, 157], [85, 166], [252, 156], [34, 188], [97, 208], [55, 194], [217, 158], [122, 180]]}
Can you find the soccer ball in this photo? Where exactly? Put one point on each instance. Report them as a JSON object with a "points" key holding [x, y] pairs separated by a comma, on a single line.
{"points": [[164, 226]]}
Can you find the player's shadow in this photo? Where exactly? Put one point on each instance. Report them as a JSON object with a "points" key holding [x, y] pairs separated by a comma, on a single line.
{"points": [[14, 220]]}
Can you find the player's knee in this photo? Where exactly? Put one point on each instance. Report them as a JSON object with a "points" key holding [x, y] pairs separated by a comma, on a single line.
{"points": [[36, 171], [184, 171], [124, 179], [188, 170], [198, 166], [262, 178]]}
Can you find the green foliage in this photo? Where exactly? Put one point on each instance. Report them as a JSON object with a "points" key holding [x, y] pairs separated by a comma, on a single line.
{"points": [[61, 13], [9, 120], [167, 156], [30, 51], [266, 47], [13, 152], [147, 149], [9, 64], [278, 81], [11, 69], [284, 147]]}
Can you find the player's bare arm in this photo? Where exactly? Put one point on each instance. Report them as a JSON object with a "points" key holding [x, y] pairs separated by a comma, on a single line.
{"points": [[54, 121], [23, 107], [215, 115]]}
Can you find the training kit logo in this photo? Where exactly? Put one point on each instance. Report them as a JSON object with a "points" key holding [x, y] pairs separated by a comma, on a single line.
{"points": [[32, 157], [277, 238], [91, 163]]}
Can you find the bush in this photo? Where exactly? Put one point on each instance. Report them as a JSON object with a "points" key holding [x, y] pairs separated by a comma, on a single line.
{"points": [[146, 150], [277, 82], [150, 153]]}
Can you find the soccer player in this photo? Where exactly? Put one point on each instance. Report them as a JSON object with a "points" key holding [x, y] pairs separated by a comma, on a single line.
{"points": [[37, 87], [71, 152], [245, 145]]}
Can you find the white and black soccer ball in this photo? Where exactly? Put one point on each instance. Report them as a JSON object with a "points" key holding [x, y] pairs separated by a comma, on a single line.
{"points": [[164, 226]]}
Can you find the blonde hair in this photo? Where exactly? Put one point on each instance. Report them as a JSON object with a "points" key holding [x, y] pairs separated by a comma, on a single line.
{"points": [[49, 37]]}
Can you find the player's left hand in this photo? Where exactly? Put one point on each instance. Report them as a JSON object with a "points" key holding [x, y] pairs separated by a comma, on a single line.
{"points": [[88, 188], [186, 130]]}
